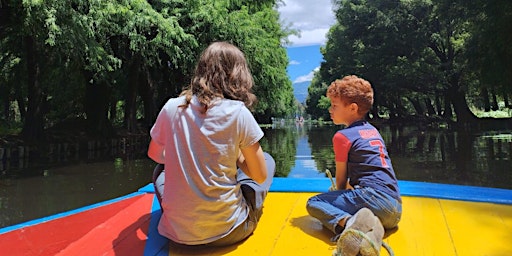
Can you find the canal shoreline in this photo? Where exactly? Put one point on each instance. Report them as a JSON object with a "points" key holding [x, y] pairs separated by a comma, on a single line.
{"points": [[15, 153]]}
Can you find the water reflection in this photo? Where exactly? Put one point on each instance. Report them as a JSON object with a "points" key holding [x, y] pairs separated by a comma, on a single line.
{"points": [[442, 156], [64, 188], [301, 150]]}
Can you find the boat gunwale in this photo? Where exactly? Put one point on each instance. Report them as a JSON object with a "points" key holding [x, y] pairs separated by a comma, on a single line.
{"points": [[319, 185], [407, 188], [69, 212]]}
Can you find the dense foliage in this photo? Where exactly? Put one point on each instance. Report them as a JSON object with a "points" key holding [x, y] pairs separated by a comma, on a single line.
{"points": [[425, 58], [102, 64]]}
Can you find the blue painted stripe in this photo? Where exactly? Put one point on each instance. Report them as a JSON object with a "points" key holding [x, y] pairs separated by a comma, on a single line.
{"points": [[156, 243], [149, 188], [456, 192], [407, 188]]}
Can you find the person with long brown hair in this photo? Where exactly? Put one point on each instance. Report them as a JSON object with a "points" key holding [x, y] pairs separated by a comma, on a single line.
{"points": [[213, 175]]}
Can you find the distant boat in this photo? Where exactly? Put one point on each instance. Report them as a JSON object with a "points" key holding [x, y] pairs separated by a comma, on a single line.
{"points": [[437, 219]]}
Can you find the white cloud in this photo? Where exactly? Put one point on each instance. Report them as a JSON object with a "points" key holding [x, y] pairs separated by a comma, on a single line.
{"points": [[310, 37], [312, 18], [306, 78], [294, 62]]}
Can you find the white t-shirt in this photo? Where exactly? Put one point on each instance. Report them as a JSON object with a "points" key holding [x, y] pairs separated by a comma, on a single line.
{"points": [[202, 200]]}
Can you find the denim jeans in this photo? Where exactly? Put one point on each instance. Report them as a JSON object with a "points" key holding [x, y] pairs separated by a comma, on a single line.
{"points": [[254, 194], [331, 207]]}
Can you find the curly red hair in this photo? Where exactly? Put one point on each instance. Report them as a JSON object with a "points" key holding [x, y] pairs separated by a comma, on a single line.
{"points": [[352, 89]]}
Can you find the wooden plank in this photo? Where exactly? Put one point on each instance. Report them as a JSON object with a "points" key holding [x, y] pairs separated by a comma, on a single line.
{"points": [[303, 234], [423, 229], [428, 227], [479, 228], [276, 212]]}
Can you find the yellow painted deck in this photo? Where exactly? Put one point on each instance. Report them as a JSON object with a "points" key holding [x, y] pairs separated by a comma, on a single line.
{"points": [[428, 227]]}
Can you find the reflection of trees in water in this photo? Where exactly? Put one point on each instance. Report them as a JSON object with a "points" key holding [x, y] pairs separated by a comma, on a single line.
{"points": [[449, 156], [320, 141], [281, 143], [442, 156]]}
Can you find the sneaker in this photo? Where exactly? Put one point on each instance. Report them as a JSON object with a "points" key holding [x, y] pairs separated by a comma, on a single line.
{"points": [[362, 235]]}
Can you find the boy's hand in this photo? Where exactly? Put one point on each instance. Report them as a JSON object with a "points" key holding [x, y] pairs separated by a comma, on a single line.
{"points": [[333, 186]]}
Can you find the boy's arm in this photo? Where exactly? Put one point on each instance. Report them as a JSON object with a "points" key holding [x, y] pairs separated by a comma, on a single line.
{"points": [[341, 175]]}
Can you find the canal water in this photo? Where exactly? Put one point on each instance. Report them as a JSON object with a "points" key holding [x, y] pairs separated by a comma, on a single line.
{"points": [[34, 188]]}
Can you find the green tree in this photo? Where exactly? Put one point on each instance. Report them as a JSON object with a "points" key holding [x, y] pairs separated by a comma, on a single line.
{"points": [[413, 53], [490, 48], [380, 41], [35, 43], [140, 38], [106, 61], [256, 30]]}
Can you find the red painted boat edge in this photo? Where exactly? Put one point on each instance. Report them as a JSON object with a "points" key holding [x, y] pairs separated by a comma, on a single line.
{"points": [[125, 233], [66, 213], [50, 235]]}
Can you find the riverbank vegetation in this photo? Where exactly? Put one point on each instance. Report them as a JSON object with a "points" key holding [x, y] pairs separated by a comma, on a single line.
{"points": [[442, 60], [102, 66]]}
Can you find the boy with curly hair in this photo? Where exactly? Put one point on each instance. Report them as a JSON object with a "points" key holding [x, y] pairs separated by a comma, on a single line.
{"points": [[366, 198]]}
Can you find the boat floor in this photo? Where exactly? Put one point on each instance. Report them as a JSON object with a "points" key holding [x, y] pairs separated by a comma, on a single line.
{"points": [[438, 219], [428, 227]]}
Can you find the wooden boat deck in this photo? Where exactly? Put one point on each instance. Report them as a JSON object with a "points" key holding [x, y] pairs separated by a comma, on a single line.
{"points": [[428, 227], [437, 220]]}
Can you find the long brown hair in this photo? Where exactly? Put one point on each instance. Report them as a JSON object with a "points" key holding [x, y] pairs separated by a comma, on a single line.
{"points": [[221, 72]]}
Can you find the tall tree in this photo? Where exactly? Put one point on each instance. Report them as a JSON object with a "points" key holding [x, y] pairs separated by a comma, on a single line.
{"points": [[490, 47], [105, 61], [382, 41], [411, 51]]}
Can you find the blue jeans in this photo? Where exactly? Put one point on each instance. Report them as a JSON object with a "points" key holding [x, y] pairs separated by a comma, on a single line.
{"points": [[254, 194], [331, 207]]}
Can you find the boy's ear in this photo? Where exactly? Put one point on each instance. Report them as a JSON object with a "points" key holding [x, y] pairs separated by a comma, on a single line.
{"points": [[354, 106]]}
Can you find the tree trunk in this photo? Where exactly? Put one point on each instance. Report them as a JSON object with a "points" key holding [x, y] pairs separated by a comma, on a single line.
{"points": [[130, 108], [113, 110], [5, 113], [33, 125], [485, 98], [21, 101], [448, 114], [417, 105], [439, 106], [96, 109], [494, 105], [430, 108], [464, 116], [147, 91]]}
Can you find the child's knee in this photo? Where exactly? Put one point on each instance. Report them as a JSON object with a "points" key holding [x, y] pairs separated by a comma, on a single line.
{"points": [[310, 205]]}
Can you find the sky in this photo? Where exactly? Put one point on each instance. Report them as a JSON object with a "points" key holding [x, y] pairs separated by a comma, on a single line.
{"points": [[312, 18]]}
